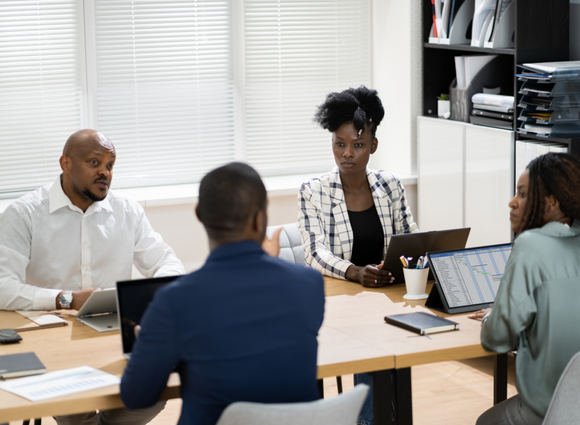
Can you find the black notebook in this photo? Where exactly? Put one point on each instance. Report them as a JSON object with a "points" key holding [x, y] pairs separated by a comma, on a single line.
{"points": [[422, 323], [22, 364]]}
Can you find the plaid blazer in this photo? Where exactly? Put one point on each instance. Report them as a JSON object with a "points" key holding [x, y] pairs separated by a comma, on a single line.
{"points": [[323, 221]]}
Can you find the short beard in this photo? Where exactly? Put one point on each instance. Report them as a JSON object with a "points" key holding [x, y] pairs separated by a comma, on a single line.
{"points": [[92, 196]]}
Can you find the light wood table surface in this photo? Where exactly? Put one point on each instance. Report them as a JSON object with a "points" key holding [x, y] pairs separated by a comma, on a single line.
{"points": [[345, 347]]}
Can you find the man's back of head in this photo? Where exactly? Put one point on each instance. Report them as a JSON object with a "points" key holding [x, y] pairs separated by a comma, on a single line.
{"points": [[232, 204]]}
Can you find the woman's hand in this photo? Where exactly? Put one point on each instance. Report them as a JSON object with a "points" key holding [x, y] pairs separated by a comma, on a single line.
{"points": [[272, 246], [370, 276], [479, 315]]}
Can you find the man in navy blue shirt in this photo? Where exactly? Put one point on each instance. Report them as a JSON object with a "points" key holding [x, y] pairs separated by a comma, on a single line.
{"points": [[243, 327]]}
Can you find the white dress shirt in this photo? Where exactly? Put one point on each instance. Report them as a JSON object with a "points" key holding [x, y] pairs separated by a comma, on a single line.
{"points": [[47, 245]]}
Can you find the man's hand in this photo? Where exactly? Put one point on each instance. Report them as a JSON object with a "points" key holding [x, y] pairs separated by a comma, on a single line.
{"points": [[79, 298], [272, 246], [136, 330], [479, 315], [370, 276]]}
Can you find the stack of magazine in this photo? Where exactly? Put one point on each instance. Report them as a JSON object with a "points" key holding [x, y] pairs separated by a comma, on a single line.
{"points": [[492, 110], [550, 99]]}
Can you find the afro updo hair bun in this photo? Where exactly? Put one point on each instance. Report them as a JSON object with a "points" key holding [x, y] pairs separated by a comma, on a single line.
{"points": [[361, 106]]}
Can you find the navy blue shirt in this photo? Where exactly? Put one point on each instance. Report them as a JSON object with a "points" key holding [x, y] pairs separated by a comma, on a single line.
{"points": [[242, 328]]}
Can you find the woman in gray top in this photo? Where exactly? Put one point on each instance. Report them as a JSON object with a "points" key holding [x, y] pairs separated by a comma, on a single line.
{"points": [[536, 308]]}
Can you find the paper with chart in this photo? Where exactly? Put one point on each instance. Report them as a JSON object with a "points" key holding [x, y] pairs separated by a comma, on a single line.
{"points": [[62, 382], [471, 276]]}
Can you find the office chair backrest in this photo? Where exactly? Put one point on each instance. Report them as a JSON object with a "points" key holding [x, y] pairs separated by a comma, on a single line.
{"points": [[290, 243], [340, 410], [564, 407]]}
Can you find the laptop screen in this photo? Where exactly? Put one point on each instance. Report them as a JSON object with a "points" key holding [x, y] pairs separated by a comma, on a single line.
{"points": [[133, 297], [470, 276]]}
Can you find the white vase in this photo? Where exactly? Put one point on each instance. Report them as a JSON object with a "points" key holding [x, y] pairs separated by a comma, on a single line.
{"points": [[443, 108]]}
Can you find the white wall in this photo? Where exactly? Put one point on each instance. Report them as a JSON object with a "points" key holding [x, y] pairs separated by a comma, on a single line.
{"points": [[396, 74]]}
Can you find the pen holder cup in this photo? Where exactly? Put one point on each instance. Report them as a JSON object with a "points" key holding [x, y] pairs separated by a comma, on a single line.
{"points": [[416, 283]]}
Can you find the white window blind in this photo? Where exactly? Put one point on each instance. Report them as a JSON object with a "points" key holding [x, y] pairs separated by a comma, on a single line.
{"points": [[296, 52], [40, 89], [165, 87], [179, 86]]}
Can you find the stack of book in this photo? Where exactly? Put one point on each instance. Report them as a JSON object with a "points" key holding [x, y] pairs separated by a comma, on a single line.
{"points": [[550, 99], [492, 110]]}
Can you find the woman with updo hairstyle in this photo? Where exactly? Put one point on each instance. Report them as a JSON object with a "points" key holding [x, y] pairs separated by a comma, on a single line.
{"points": [[347, 216], [536, 308]]}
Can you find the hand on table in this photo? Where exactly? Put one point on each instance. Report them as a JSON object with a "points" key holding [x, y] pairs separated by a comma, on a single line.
{"points": [[479, 315], [272, 246], [370, 276]]}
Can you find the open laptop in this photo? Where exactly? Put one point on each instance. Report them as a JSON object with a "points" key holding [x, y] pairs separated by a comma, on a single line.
{"points": [[100, 310], [467, 279], [417, 244], [133, 297]]}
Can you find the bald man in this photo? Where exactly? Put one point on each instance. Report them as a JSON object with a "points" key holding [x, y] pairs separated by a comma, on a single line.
{"points": [[64, 240]]}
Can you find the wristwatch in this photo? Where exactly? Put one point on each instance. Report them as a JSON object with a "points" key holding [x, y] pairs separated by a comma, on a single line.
{"points": [[65, 299]]}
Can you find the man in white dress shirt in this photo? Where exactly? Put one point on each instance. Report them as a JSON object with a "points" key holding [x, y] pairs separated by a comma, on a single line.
{"points": [[63, 241], [60, 242]]}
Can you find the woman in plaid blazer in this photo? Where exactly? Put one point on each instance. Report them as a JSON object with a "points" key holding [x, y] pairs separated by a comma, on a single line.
{"points": [[375, 200], [348, 215]]}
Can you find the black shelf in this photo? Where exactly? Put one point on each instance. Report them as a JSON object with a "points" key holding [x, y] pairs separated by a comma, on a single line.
{"points": [[471, 49], [541, 35], [572, 142]]}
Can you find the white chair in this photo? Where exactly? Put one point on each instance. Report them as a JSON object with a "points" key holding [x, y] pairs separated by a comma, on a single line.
{"points": [[292, 252], [564, 408], [340, 410], [290, 243]]}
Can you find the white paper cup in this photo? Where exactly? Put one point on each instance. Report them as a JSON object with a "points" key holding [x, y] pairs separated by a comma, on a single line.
{"points": [[415, 282]]}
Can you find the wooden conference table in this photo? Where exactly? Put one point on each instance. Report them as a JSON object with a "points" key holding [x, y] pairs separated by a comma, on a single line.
{"points": [[350, 341]]}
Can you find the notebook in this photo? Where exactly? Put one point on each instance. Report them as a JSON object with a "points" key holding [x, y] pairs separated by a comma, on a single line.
{"points": [[417, 244], [100, 311], [21, 364], [133, 297], [422, 323], [467, 279]]}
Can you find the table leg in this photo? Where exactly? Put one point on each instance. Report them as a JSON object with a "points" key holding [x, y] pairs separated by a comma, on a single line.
{"points": [[499, 378], [403, 397], [320, 385], [383, 397]]}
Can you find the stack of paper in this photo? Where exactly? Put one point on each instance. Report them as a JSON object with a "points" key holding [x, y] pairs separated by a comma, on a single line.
{"points": [[492, 110]]}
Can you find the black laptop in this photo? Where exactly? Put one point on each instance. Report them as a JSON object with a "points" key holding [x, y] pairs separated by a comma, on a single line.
{"points": [[467, 279], [417, 244], [133, 297]]}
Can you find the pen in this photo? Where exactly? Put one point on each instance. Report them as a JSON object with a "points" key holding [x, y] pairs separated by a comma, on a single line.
{"points": [[404, 261], [420, 263]]}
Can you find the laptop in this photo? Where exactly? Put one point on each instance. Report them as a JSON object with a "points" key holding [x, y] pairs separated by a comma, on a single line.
{"points": [[467, 279], [133, 297], [100, 310], [417, 244]]}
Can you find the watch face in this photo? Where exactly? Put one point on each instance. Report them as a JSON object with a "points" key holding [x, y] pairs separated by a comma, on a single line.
{"points": [[65, 299]]}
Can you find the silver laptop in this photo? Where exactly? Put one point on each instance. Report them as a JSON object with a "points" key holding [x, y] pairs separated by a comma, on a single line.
{"points": [[100, 310], [133, 297]]}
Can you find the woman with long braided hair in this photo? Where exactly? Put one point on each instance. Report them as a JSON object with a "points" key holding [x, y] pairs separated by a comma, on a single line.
{"points": [[536, 307]]}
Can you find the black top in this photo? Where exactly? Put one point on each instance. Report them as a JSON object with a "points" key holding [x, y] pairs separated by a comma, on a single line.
{"points": [[368, 237]]}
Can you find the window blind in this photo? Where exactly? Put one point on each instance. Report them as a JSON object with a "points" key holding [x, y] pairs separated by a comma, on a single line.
{"points": [[296, 52], [40, 89], [164, 87]]}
